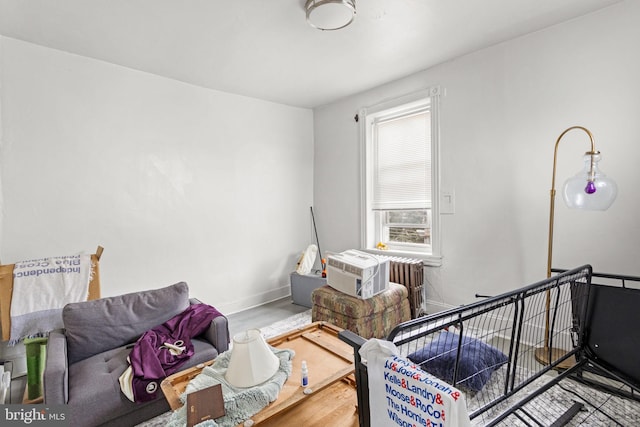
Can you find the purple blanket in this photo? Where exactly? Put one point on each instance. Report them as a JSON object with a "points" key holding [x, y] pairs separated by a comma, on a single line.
{"points": [[151, 360]]}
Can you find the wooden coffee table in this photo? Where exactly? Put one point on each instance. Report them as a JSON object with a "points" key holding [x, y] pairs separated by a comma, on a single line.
{"points": [[332, 401]]}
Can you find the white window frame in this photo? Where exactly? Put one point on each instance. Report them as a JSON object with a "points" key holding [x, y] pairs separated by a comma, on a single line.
{"points": [[366, 118]]}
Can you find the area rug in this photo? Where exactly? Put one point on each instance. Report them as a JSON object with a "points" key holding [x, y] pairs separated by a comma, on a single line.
{"points": [[599, 408], [268, 331], [286, 325]]}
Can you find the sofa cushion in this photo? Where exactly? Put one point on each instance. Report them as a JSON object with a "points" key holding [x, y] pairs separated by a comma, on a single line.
{"points": [[107, 323], [93, 383]]}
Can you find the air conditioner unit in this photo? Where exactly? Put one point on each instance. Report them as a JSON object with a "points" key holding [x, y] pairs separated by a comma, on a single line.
{"points": [[357, 273]]}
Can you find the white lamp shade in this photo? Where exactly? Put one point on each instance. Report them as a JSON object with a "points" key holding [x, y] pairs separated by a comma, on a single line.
{"points": [[575, 194], [252, 361], [330, 14]]}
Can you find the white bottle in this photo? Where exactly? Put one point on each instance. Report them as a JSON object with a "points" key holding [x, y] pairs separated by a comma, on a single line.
{"points": [[305, 374]]}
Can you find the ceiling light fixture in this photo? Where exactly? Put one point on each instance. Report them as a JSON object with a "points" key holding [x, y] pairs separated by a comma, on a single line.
{"points": [[328, 15]]}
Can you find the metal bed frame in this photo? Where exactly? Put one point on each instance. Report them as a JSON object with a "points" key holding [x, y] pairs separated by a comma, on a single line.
{"points": [[571, 320]]}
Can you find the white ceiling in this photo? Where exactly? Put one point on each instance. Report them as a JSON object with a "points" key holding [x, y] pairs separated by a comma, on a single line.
{"points": [[265, 49]]}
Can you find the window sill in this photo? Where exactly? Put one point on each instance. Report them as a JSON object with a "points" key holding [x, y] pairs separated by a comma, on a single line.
{"points": [[429, 260]]}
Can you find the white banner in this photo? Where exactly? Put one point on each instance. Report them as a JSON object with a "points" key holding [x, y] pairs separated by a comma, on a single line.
{"points": [[41, 288], [402, 394]]}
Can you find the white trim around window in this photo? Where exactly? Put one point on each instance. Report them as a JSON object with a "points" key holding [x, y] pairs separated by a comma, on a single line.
{"points": [[429, 99]]}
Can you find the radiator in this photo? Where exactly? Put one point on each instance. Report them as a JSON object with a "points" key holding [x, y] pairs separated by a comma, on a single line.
{"points": [[410, 273]]}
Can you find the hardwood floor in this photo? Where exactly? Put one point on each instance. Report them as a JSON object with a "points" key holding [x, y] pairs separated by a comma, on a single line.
{"points": [[263, 315]]}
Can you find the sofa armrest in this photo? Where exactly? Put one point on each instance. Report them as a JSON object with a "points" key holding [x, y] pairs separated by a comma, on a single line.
{"points": [[218, 332], [56, 371]]}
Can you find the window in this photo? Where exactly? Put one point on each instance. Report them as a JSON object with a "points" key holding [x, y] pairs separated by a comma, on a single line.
{"points": [[400, 165]]}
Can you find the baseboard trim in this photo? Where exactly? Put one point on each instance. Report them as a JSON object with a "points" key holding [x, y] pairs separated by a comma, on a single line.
{"points": [[255, 300], [432, 307]]}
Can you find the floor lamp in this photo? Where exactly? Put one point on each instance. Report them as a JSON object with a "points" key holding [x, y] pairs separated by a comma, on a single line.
{"points": [[590, 189]]}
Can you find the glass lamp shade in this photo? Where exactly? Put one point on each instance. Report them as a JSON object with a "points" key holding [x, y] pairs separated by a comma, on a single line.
{"points": [[330, 14], [590, 189], [252, 361]]}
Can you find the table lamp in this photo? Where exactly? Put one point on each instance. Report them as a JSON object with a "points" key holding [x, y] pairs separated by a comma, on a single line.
{"points": [[252, 362]]}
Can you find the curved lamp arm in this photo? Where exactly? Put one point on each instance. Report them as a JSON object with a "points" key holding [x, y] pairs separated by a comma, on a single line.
{"points": [[553, 187], [598, 189]]}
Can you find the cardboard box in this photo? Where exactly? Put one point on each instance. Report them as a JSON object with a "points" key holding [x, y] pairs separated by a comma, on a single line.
{"points": [[303, 285]]}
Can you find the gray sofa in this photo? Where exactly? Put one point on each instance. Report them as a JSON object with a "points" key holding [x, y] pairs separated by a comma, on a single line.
{"points": [[86, 358]]}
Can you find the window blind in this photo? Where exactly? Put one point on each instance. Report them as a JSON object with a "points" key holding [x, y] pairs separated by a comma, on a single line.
{"points": [[402, 162]]}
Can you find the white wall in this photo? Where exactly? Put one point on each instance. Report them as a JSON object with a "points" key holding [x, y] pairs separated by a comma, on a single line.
{"points": [[175, 181], [504, 108]]}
